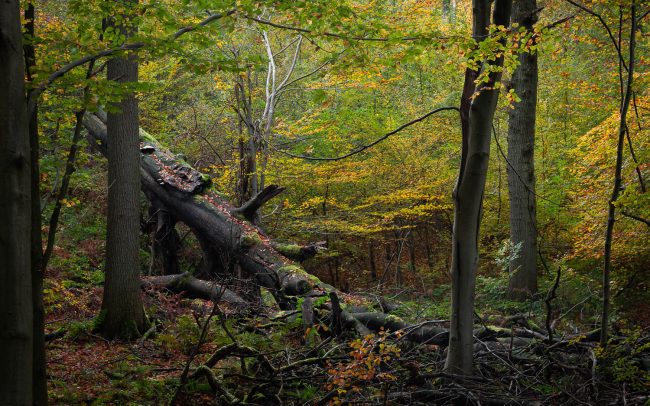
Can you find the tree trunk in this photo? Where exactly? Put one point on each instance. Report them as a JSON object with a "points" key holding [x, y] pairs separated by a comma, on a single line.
{"points": [[449, 10], [373, 263], [476, 119], [16, 308], [611, 214], [521, 171], [122, 310], [248, 178], [165, 239], [427, 246], [412, 255], [39, 364]]}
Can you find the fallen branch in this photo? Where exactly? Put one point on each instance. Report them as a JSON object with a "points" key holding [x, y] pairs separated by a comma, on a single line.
{"points": [[250, 208], [300, 253], [549, 297], [419, 333], [54, 335], [195, 288], [216, 385]]}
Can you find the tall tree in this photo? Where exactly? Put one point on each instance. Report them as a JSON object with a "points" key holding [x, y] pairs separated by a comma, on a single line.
{"points": [[259, 125], [449, 10], [122, 309], [626, 97], [16, 334], [40, 377], [478, 104], [521, 168]]}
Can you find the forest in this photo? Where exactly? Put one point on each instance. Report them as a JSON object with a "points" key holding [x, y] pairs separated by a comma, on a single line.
{"points": [[325, 202]]}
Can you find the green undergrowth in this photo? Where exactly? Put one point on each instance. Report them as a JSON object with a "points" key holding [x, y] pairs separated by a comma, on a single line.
{"points": [[574, 297], [182, 335], [148, 373], [627, 361], [128, 383]]}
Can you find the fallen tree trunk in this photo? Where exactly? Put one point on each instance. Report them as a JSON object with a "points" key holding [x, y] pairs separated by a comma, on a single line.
{"points": [[165, 240], [225, 235], [195, 288], [424, 333], [300, 253]]}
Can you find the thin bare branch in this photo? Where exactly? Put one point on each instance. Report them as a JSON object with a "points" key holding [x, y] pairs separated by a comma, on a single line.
{"points": [[637, 218], [339, 36], [604, 24], [367, 146], [293, 64]]}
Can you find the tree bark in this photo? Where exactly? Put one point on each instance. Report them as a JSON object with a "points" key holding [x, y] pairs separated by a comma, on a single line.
{"points": [[122, 310], [521, 171], [373, 264], [611, 213], [165, 239], [195, 288], [412, 255], [37, 260], [476, 120], [16, 306]]}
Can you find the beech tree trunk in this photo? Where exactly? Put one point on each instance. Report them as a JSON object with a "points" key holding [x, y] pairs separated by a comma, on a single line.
{"points": [[476, 123], [122, 310], [39, 364], [626, 97], [16, 309], [373, 263], [248, 179], [165, 240], [412, 255], [521, 171]]}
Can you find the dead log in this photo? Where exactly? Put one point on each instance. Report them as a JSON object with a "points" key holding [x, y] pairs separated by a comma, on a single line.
{"points": [[300, 253], [166, 241], [420, 333], [225, 237], [194, 288], [250, 209]]}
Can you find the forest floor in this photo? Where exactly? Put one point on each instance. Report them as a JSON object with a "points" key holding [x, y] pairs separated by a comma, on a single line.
{"points": [[277, 362], [265, 356]]}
